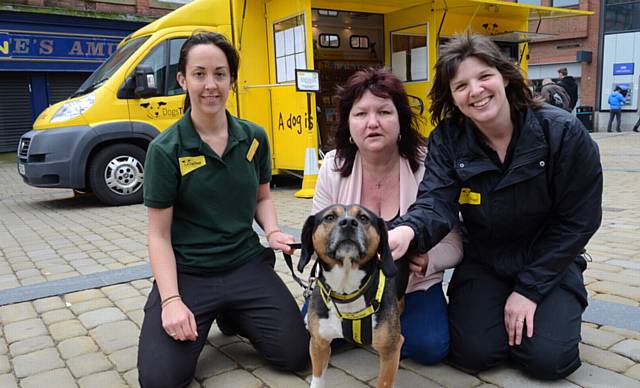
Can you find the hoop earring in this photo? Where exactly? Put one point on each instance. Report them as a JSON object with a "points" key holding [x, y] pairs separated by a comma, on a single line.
{"points": [[351, 140]]}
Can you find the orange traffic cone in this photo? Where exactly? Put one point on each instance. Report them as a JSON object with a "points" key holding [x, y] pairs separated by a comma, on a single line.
{"points": [[310, 169]]}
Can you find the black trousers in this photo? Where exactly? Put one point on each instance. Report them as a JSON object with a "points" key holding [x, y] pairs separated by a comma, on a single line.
{"points": [[617, 114], [479, 338], [251, 296]]}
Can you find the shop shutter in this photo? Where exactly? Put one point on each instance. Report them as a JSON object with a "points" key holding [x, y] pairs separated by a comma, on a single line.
{"points": [[15, 109], [63, 85]]}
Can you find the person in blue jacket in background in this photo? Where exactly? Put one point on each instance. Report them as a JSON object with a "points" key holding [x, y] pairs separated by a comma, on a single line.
{"points": [[616, 100]]}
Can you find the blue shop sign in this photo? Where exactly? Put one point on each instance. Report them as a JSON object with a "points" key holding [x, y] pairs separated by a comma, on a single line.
{"points": [[623, 68], [22, 46]]}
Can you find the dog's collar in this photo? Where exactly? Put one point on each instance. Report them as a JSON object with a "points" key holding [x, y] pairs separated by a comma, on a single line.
{"points": [[372, 305]]}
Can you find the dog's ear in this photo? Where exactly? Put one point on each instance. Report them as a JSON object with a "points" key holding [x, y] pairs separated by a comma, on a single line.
{"points": [[388, 266], [306, 238]]}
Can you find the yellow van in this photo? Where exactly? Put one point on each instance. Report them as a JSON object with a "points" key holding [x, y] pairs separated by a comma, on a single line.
{"points": [[96, 140]]}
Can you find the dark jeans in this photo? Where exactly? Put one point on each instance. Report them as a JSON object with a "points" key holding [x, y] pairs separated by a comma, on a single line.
{"points": [[478, 336], [617, 114], [425, 326], [252, 296], [637, 124]]}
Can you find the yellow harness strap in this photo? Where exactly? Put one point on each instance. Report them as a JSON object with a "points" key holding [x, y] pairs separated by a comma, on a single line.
{"points": [[365, 312]]}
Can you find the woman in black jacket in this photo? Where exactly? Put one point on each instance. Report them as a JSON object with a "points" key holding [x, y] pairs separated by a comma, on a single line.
{"points": [[526, 180]]}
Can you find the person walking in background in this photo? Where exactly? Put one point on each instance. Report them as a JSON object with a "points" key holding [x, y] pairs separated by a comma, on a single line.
{"points": [[616, 99], [555, 95], [569, 84], [635, 127]]}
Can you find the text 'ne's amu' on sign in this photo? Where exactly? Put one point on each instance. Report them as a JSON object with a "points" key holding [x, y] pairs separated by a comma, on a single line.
{"points": [[41, 46]]}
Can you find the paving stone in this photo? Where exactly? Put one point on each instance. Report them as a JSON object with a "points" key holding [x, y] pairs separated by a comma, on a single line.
{"points": [[3, 345], [408, 379], [137, 316], [21, 330], [131, 378], [599, 338], [623, 332], [67, 329], [133, 303], [634, 372], [30, 344], [212, 362], [360, 363], [27, 273], [235, 378], [87, 364], [89, 269], [5, 366], [628, 348], [110, 379], [76, 346], [16, 312], [510, 377], [444, 375], [33, 280], [83, 296], [244, 354], [114, 336], [335, 377], [590, 376], [120, 291], [36, 362], [275, 378], [54, 378], [125, 359], [94, 318], [51, 317], [604, 359], [218, 339], [609, 287], [8, 381], [141, 284], [90, 305], [616, 299]]}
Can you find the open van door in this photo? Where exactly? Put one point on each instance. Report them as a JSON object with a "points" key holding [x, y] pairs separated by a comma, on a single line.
{"points": [[290, 48]]}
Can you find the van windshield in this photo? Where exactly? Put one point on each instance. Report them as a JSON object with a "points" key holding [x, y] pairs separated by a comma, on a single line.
{"points": [[110, 66]]}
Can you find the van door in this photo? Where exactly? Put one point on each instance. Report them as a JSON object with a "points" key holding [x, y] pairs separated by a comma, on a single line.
{"points": [[290, 48], [166, 108], [409, 50]]}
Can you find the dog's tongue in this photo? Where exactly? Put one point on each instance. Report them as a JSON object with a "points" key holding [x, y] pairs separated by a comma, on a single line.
{"points": [[347, 250]]}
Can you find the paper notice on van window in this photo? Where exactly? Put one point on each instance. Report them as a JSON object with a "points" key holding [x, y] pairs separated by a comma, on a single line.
{"points": [[279, 44], [301, 62], [291, 67], [281, 69], [289, 44], [298, 33], [399, 64], [419, 63]]}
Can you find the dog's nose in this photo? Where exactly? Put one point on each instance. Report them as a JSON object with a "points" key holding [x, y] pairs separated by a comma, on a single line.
{"points": [[348, 222]]}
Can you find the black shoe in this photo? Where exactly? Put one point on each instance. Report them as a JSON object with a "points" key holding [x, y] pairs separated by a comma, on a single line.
{"points": [[618, 130], [635, 129], [608, 130]]}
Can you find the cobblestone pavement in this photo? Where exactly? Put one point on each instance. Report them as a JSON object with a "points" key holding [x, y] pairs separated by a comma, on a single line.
{"points": [[88, 338]]}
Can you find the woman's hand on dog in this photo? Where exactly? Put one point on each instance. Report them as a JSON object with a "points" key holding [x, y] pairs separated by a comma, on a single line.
{"points": [[280, 241], [178, 321], [399, 240], [419, 263]]}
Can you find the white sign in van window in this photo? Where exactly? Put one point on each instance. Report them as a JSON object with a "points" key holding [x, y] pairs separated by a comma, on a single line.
{"points": [[399, 64], [289, 42], [298, 33], [419, 63], [279, 43]]}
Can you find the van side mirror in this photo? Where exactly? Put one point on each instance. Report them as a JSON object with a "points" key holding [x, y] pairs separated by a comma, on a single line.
{"points": [[145, 82]]}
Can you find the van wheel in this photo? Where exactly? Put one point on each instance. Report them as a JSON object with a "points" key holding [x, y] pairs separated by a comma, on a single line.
{"points": [[116, 174]]}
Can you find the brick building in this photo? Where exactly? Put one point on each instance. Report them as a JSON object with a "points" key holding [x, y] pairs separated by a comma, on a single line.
{"points": [[49, 47]]}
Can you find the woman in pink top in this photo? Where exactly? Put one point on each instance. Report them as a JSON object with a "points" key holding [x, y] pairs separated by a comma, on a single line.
{"points": [[379, 163]]}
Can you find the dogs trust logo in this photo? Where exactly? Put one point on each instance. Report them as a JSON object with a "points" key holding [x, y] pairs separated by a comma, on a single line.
{"points": [[153, 108]]}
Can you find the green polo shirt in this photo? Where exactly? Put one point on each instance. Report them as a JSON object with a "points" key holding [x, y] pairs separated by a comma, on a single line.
{"points": [[213, 197]]}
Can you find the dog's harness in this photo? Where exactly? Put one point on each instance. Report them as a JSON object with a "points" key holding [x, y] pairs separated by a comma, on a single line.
{"points": [[356, 326]]}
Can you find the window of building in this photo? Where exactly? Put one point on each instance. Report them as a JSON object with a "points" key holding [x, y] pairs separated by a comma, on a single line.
{"points": [[359, 42], [622, 15], [409, 54], [290, 48], [530, 2], [564, 3], [329, 40]]}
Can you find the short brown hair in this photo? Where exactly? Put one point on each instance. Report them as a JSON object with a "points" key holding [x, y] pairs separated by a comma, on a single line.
{"points": [[481, 47], [563, 71], [384, 84]]}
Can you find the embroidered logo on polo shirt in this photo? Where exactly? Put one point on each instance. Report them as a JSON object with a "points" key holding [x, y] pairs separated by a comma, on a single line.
{"points": [[252, 150], [190, 163], [468, 197]]}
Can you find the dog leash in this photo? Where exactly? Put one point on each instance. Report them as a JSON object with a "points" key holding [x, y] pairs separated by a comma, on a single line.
{"points": [[307, 286]]}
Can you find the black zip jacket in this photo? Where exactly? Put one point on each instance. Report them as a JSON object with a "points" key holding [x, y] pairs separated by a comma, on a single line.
{"points": [[528, 222]]}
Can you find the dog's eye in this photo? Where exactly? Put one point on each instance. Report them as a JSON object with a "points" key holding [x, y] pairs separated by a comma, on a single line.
{"points": [[330, 217], [363, 218]]}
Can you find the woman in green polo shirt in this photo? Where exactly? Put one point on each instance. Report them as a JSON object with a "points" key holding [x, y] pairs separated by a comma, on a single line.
{"points": [[206, 180]]}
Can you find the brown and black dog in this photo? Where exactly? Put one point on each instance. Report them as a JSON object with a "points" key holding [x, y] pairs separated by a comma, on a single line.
{"points": [[356, 295]]}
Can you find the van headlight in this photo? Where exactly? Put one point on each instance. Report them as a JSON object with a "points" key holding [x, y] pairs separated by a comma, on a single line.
{"points": [[73, 109]]}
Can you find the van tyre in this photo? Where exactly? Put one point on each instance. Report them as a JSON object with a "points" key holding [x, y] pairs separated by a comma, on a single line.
{"points": [[116, 174]]}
